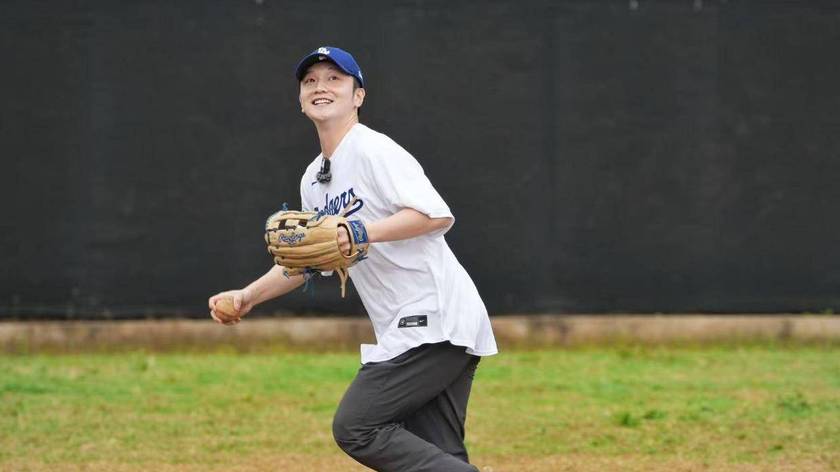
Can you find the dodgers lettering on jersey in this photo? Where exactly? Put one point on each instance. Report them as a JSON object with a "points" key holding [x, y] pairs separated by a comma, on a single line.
{"points": [[334, 205]]}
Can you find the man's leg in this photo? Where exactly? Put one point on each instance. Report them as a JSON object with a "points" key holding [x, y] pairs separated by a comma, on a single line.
{"points": [[441, 421], [369, 422]]}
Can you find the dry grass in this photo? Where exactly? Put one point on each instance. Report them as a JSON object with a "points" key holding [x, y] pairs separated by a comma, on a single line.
{"points": [[340, 463]]}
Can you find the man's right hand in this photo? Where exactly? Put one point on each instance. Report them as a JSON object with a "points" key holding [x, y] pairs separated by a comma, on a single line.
{"points": [[242, 304]]}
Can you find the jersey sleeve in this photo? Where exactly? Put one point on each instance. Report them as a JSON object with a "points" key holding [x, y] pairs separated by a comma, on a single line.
{"points": [[400, 181]]}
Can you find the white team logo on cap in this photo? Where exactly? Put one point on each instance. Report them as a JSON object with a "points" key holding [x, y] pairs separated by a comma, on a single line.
{"points": [[324, 51]]}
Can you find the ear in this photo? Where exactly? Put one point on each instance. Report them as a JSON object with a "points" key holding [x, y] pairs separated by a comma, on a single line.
{"points": [[358, 97]]}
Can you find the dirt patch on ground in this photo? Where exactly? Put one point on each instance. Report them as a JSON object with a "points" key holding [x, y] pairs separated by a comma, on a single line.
{"points": [[533, 331]]}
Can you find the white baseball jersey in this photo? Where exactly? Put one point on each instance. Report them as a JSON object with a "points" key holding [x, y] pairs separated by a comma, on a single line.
{"points": [[415, 291]]}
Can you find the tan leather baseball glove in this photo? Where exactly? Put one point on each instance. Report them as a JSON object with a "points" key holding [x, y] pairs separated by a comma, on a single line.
{"points": [[307, 243]]}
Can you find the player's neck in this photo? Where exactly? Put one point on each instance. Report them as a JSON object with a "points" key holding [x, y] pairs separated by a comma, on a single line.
{"points": [[330, 134]]}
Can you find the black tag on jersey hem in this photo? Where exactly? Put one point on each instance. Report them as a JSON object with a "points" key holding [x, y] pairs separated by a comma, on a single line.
{"points": [[414, 321]]}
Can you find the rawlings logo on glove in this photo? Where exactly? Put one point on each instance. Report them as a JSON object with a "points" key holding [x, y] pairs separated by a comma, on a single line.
{"points": [[292, 239]]}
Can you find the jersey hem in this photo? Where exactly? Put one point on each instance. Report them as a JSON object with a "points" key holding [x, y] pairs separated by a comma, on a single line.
{"points": [[455, 342]]}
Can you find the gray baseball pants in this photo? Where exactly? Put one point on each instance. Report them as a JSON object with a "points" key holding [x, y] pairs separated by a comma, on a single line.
{"points": [[407, 414]]}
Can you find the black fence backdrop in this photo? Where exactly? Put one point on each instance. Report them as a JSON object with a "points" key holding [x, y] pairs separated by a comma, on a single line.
{"points": [[610, 156]]}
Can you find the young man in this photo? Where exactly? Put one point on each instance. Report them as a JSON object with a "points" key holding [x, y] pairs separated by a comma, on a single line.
{"points": [[406, 408]]}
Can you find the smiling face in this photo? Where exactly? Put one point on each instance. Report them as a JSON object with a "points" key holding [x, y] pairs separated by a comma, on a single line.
{"points": [[328, 94]]}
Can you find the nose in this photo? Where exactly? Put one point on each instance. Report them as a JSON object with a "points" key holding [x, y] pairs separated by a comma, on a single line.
{"points": [[320, 86]]}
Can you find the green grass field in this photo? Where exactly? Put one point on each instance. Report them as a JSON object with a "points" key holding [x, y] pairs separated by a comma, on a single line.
{"points": [[623, 408]]}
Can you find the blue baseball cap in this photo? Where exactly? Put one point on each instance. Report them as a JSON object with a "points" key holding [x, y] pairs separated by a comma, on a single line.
{"points": [[339, 57]]}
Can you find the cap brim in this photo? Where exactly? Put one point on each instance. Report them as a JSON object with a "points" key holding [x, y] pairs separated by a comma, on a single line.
{"points": [[307, 62]]}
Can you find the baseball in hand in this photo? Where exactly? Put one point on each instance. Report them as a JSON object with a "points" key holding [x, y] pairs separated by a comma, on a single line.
{"points": [[224, 309]]}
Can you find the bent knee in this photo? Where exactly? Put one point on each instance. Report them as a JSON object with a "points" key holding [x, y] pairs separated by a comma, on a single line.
{"points": [[347, 433], [356, 439]]}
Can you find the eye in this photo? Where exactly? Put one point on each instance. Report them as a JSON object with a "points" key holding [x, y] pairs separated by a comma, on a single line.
{"points": [[333, 77], [308, 80]]}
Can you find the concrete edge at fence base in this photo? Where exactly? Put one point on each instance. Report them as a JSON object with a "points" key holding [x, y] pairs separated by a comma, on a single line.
{"points": [[324, 333]]}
